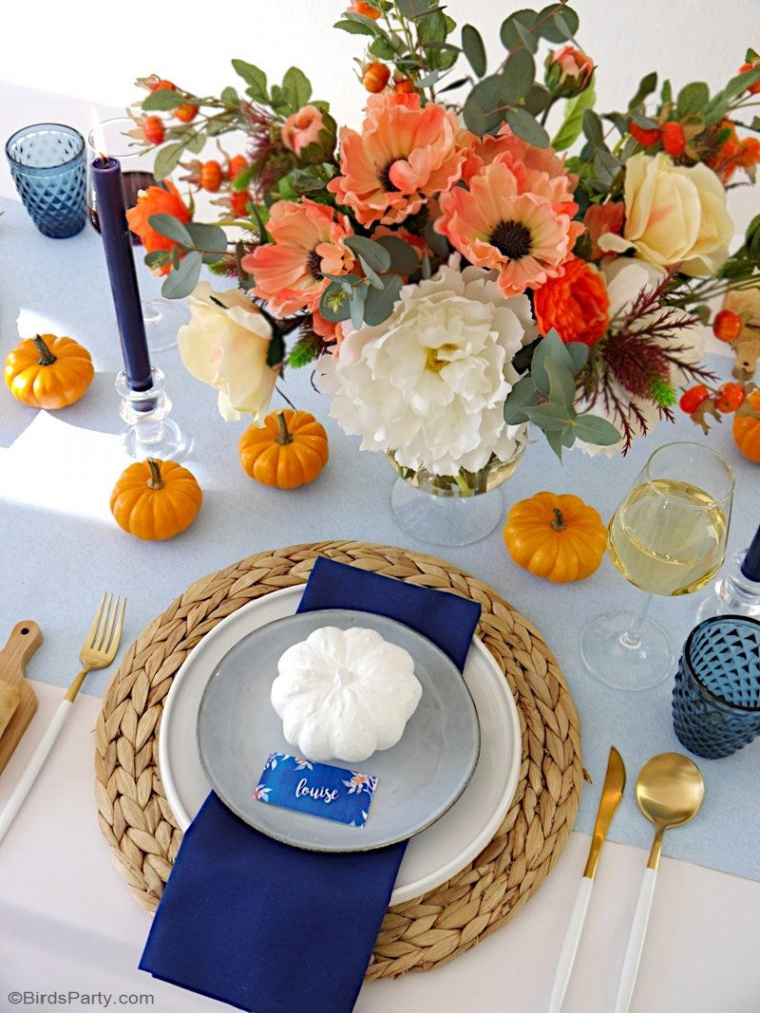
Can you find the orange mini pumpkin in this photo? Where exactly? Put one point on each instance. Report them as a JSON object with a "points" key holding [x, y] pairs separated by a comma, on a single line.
{"points": [[48, 372], [289, 450], [155, 500], [556, 537], [747, 430]]}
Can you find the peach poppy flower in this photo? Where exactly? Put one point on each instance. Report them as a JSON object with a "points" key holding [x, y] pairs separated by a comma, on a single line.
{"points": [[289, 273], [157, 200], [402, 157], [575, 303], [507, 147], [514, 220], [302, 129]]}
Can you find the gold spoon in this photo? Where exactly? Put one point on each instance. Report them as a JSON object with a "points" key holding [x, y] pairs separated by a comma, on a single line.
{"points": [[669, 790]]}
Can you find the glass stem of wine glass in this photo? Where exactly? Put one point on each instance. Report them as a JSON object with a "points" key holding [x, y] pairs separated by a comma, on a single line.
{"points": [[631, 636]]}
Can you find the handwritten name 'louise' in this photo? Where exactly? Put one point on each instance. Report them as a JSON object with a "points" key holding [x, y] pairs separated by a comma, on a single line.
{"points": [[326, 795]]}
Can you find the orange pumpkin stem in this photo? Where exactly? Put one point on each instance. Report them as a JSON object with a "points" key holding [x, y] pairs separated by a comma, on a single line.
{"points": [[558, 522], [284, 436], [46, 356], [155, 481]]}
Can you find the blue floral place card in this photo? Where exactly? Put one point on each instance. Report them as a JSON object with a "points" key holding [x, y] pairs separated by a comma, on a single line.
{"points": [[319, 789]]}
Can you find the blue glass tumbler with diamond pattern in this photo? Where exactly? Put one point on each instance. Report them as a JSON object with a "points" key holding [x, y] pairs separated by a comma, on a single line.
{"points": [[716, 697], [47, 162]]}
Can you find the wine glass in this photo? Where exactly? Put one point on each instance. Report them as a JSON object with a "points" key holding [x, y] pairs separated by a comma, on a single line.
{"points": [[162, 317], [667, 537]]}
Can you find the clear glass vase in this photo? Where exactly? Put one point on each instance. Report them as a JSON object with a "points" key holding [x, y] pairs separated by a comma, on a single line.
{"points": [[451, 509]]}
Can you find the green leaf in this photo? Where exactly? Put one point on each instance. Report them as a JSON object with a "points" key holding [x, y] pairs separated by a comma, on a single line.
{"points": [[527, 37], [167, 159], [718, 106], [372, 276], [666, 92], [692, 98], [647, 85], [382, 48], [517, 77], [594, 429], [557, 23], [551, 347], [196, 144], [537, 100], [561, 384], [593, 128], [334, 304], [549, 417], [403, 256], [230, 96], [297, 87], [172, 228], [157, 258], [571, 129], [276, 349], [578, 353], [255, 78], [162, 100], [483, 107], [556, 439], [523, 394], [210, 238], [432, 28], [527, 127], [356, 305], [645, 122], [437, 243], [378, 257], [509, 33], [474, 49], [354, 27], [414, 8], [379, 305], [183, 280]]}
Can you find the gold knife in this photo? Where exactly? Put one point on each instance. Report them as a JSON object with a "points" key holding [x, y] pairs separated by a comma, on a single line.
{"points": [[612, 792]]}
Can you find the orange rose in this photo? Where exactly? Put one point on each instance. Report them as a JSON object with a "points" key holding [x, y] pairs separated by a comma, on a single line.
{"points": [[157, 200], [575, 303]]}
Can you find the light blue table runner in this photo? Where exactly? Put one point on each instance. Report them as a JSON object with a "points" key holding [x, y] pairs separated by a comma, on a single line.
{"points": [[54, 561]]}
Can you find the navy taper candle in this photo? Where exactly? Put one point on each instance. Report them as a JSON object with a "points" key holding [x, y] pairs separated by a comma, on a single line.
{"points": [[751, 563], [117, 243]]}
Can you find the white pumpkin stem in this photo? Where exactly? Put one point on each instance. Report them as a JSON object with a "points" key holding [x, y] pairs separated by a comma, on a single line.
{"points": [[558, 523], [155, 481], [46, 356], [284, 435]]}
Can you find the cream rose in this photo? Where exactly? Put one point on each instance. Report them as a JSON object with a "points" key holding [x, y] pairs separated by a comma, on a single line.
{"points": [[674, 215], [226, 346]]}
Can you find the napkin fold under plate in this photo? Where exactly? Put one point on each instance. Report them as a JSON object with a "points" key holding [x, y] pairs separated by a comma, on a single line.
{"points": [[274, 929]]}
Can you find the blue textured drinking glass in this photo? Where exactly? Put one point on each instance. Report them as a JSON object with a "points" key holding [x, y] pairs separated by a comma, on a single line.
{"points": [[716, 697], [47, 163]]}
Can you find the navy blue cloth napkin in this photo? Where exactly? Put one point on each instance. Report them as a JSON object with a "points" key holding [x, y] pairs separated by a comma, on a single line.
{"points": [[274, 929]]}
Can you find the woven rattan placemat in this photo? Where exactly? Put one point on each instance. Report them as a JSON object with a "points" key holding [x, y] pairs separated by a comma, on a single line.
{"points": [[423, 933]]}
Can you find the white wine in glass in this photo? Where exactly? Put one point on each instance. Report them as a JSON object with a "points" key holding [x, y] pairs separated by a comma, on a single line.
{"points": [[667, 537]]}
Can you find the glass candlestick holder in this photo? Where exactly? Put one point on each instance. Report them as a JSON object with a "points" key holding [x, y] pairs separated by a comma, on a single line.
{"points": [[150, 432]]}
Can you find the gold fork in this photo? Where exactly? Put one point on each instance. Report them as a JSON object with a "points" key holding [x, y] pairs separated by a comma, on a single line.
{"points": [[98, 651]]}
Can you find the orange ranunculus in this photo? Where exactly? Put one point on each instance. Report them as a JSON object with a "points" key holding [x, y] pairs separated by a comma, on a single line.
{"points": [[402, 157], [157, 200], [289, 273], [575, 303], [600, 219]]}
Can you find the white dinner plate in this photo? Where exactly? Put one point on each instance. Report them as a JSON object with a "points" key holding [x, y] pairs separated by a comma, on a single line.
{"points": [[434, 855]]}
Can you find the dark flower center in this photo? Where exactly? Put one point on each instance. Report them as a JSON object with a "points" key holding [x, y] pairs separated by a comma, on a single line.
{"points": [[385, 178], [513, 239], [314, 265]]}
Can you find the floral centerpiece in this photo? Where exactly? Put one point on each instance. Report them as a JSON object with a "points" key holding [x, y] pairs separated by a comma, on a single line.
{"points": [[453, 272]]}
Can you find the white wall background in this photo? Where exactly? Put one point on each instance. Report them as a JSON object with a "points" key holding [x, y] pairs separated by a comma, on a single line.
{"points": [[94, 50]]}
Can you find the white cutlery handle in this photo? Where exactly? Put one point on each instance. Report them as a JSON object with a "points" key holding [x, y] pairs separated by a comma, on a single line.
{"points": [[33, 768], [636, 942], [570, 945]]}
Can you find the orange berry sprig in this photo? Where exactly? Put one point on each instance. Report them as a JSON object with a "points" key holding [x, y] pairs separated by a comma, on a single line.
{"points": [[376, 76], [700, 402], [207, 176], [727, 326]]}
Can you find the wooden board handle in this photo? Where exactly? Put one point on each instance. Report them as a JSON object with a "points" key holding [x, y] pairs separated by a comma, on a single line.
{"points": [[24, 639]]}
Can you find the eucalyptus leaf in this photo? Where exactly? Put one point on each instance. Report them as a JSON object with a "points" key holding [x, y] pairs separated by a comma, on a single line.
{"points": [[557, 439], [578, 353], [561, 384], [255, 78], [437, 243], [509, 34], [517, 77], [483, 107], [167, 159], [183, 280], [377, 256], [455, 84], [334, 305], [209, 238], [557, 23], [692, 98], [172, 228], [474, 49], [537, 100], [594, 429], [549, 417], [162, 100], [426, 269], [527, 37], [523, 394], [572, 126], [157, 258], [379, 305], [593, 128], [552, 347], [403, 256], [356, 305], [527, 127], [372, 276]]}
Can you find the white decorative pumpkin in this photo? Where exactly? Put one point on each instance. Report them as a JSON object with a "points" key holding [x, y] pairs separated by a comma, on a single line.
{"points": [[342, 694]]}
